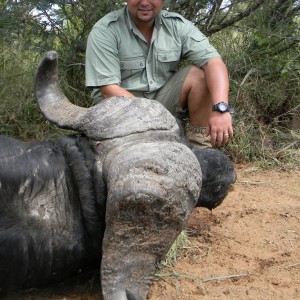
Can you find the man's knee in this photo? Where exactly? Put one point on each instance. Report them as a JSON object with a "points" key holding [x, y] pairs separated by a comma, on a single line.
{"points": [[196, 74], [195, 94], [194, 85]]}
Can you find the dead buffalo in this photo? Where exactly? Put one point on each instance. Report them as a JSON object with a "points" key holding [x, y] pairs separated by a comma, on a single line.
{"points": [[119, 192]]}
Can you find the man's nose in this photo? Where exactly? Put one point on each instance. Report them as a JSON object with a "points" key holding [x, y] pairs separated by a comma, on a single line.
{"points": [[145, 2]]}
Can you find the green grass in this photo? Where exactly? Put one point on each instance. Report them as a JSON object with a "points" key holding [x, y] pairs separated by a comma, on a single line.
{"points": [[182, 242]]}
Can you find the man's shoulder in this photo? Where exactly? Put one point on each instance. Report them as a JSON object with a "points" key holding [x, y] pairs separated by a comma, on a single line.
{"points": [[172, 15], [110, 18]]}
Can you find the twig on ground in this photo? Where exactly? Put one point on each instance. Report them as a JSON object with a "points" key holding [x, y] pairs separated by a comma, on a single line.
{"points": [[180, 275], [251, 182], [225, 277], [177, 275], [286, 148], [292, 266]]}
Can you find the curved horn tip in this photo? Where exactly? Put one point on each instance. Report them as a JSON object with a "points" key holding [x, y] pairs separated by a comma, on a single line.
{"points": [[51, 55]]}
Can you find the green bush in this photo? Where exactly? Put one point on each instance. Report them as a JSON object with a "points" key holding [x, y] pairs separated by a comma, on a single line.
{"points": [[20, 116]]}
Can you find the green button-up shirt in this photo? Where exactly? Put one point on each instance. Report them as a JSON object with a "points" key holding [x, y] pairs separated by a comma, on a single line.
{"points": [[117, 53]]}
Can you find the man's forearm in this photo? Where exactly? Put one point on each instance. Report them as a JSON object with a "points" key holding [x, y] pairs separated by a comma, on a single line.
{"points": [[217, 80], [114, 90]]}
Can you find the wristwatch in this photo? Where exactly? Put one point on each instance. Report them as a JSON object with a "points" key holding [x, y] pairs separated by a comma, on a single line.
{"points": [[222, 107]]}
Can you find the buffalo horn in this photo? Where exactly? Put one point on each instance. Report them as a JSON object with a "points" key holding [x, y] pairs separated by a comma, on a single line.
{"points": [[114, 118], [52, 102]]}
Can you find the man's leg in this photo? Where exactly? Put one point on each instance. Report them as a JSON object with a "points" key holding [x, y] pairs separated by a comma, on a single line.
{"points": [[186, 95], [170, 93], [195, 96]]}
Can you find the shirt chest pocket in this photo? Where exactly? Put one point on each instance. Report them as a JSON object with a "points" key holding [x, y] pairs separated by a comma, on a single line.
{"points": [[167, 63], [131, 67], [168, 57]]}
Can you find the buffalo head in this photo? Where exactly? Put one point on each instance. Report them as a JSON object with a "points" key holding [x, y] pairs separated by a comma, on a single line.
{"points": [[153, 178]]}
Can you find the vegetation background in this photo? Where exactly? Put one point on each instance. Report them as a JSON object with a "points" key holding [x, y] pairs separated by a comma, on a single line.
{"points": [[258, 39]]}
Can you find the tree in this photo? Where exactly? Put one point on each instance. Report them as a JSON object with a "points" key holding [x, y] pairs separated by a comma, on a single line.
{"points": [[215, 15], [271, 54], [42, 25], [64, 25]]}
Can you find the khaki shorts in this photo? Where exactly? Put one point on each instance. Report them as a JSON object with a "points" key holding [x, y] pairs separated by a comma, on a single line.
{"points": [[169, 94]]}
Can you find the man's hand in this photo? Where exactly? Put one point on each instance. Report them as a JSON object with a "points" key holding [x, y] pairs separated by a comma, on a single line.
{"points": [[220, 128], [114, 90]]}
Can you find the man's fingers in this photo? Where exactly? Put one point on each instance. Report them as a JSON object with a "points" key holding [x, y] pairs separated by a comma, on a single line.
{"points": [[220, 137]]}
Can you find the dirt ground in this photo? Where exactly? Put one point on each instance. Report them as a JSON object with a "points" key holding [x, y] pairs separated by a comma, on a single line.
{"points": [[248, 248]]}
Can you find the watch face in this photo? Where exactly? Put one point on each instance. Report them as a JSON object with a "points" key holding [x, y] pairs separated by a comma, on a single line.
{"points": [[222, 107]]}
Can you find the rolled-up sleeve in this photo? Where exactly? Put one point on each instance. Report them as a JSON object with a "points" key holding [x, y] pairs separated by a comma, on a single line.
{"points": [[196, 47], [102, 66]]}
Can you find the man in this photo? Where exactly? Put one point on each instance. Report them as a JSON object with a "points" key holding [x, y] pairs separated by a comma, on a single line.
{"points": [[135, 51]]}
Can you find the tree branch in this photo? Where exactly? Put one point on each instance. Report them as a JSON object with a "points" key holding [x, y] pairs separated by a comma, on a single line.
{"points": [[234, 19], [211, 15]]}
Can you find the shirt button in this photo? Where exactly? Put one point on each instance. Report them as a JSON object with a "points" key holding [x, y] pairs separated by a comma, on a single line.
{"points": [[151, 82], [164, 58], [141, 64]]}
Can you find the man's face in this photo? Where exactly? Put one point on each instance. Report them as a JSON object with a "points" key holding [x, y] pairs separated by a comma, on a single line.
{"points": [[144, 11]]}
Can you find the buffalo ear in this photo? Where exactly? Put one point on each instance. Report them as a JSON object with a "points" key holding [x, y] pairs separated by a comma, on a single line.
{"points": [[218, 174]]}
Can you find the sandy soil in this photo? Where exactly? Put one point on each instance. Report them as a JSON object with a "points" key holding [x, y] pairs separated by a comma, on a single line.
{"points": [[248, 248]]}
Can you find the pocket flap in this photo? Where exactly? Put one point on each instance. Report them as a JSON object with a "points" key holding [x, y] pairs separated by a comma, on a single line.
{"points": [[168, 56], [133, 64]]}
